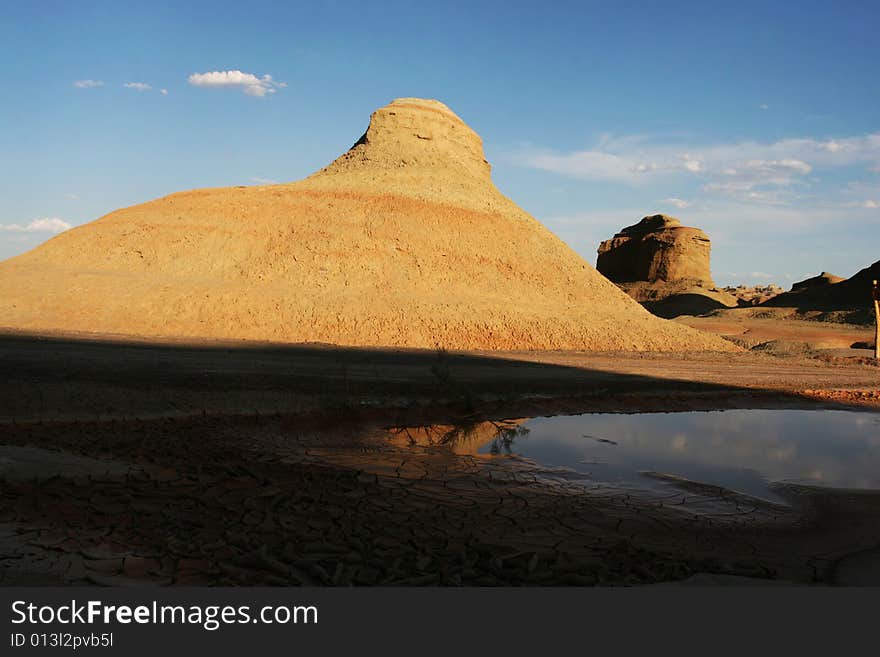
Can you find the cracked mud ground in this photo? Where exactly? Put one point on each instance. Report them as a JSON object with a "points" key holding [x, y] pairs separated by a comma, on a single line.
{"points": [[290, 501]]}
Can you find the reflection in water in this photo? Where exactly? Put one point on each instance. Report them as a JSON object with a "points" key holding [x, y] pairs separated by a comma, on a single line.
{"points": [[466, 438], [740, 450]]}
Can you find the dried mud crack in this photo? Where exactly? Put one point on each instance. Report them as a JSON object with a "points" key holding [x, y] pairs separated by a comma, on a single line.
{"points": [[278, 501]]}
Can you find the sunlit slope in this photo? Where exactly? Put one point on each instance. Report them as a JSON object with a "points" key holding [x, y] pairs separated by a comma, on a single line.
{"points": [[402, 241]]}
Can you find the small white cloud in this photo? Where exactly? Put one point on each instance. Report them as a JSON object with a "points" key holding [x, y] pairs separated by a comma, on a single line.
{"points": [[771, 166], [728, 187], [690, 164], [869, 204], [263, 181], [832, 146], [71, 197], [47, 225], [681, 204], [138, 86], [764, 106], [88, 84], [164, 92], [249, 83], [645, 167]]}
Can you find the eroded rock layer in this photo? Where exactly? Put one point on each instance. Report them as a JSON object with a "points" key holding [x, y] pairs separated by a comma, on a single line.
{"points": [[658, 249], [664, 266]]}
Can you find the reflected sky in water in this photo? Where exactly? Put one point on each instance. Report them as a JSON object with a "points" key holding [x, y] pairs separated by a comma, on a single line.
{"points": [[739, 449]]}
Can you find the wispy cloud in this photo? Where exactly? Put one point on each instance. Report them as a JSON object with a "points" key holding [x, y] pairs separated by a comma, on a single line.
{"points": [[732, 227], [764, 106], [249, 83], [868, 204], [46, 225], [137, 86], [679, 203], [735, 169], [164, 92], [88, 84], [263, 181]]}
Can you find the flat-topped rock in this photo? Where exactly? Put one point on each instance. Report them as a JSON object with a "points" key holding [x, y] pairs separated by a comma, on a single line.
{"points": [[658, 249], [664, 266]]}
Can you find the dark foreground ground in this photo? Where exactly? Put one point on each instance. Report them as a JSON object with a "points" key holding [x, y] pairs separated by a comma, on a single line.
{"points": [[247, 464]]}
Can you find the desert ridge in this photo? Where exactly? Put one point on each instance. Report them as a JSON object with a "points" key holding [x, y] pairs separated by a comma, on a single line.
{"points": [[403, 241]]}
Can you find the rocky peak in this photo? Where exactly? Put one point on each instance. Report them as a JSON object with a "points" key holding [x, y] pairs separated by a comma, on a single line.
{"points": [[415, 133], [650, 224]]}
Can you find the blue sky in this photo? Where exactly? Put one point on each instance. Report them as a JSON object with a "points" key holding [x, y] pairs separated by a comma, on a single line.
{"points": [[757, 122]]}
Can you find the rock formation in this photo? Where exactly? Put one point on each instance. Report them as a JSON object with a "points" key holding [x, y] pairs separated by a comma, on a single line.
{"points": [[664, 265], [753, 295], [402, 241], [829, 292], [658, 249], [822, 280]]}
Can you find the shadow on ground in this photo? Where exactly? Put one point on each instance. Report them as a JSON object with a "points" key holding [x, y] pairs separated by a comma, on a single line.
{"points": [[68, 378], [251, 465]]}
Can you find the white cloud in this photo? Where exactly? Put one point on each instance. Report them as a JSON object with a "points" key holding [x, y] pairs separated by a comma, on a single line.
{"points": [[247, 82], [869, 204], [164, 92], [46, 225], [691, 164], [681, 204], [138, 86], [71, 197], [88, 84], [770, 166], [747, 164], [263, 181], [764, 106]]}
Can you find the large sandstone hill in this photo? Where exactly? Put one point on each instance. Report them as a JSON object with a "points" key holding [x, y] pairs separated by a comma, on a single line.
{"points": [[663, 265], [402, 241]]}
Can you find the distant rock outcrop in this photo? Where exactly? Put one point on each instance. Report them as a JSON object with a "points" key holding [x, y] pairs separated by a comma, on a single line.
{"points": [[658, 249], [753, 295], [663, 265], [403, 241], [822, 280], [827, 292]]}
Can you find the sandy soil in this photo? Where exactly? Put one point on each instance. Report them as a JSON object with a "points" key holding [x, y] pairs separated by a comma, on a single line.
{"points": [[754, 331]]}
